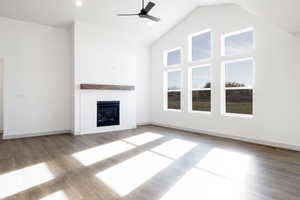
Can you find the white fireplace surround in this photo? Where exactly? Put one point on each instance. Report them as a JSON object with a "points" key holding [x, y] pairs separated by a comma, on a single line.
{"points": [[88, 110]]}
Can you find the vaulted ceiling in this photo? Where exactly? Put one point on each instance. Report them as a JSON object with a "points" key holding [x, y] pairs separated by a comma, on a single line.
{"points": [[61, 13]]}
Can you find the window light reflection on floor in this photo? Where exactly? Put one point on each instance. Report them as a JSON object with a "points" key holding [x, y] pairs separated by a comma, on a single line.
{"points": [[102, 152], [174, 148], [60, 195], [130, 174], [23, 179], [226, 163], [197, 184], [143, 138]]}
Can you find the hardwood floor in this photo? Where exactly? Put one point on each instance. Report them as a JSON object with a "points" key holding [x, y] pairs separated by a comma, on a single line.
{"points": [[149, 163]]}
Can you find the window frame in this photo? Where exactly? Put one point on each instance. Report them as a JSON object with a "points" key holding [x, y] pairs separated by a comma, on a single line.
{"points": [[190, 46], [224, 89], [166, 90], [165, 57], [191, 89], [224, 36]]}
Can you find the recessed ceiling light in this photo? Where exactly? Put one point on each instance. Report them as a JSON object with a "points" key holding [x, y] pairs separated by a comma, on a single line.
{"points": [[78, 3]]}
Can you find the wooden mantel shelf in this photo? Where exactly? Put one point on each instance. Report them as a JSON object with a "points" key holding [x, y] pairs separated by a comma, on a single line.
{"points": [[106, 87]]}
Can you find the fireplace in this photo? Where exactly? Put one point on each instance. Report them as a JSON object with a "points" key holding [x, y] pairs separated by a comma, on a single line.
{"points": [[108, 113]]}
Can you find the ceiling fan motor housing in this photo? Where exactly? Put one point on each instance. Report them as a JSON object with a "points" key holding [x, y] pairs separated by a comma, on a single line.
{"points": [[143, 12]]}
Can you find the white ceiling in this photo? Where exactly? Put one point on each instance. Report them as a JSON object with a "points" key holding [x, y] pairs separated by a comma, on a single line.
{"points": [[284, 13], [61, 13]]}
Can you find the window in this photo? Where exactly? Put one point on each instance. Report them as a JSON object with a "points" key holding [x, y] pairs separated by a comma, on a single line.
{"points": [[200, 84], [238, 86], [200, 46], [238, 74], [237, 43], [173, 96], [172, 57]]}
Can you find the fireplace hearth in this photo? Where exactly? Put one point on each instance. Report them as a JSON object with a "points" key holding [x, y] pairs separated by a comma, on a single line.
{"points": [[108, 113]]}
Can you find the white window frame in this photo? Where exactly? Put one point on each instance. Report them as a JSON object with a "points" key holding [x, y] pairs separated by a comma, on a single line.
{"points": [[190, 46], [224, 36], [165, 57], [191, 89], [166, 90], [224, 89]]}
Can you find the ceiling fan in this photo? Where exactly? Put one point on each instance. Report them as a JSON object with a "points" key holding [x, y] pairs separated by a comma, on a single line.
{"points": [[144, 12]]}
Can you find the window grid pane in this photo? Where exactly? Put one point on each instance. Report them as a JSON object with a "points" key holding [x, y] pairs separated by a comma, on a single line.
{"points": [[201, 100], [201, 46], [238, 43], [173, 57], [239, 74], [174, 80], [174, 100], [201, 78], [239, 101]]}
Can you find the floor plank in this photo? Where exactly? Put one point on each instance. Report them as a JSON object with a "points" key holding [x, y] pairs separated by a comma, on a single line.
{"points": [[148, 163]]}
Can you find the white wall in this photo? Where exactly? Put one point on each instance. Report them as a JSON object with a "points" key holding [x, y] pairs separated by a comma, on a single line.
{"points": [[276, 99], [1, 93], [37, 78], [39, 74], [143, 85], [106, 55]]}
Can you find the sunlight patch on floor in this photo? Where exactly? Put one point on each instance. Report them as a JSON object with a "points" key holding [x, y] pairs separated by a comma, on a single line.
{"points": [[143, 138], [23, 179], [130, 174], [226, 163], [197, 184], [60, 195], [174, 148], [99, 153]]}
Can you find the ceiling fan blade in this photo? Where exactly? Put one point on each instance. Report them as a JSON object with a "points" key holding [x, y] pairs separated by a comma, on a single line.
{"points": [[151, 18], [125, 15], [149, 6]]}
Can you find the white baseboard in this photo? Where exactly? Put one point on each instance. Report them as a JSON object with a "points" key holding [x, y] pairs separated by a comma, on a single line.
{"points": [[104, 131], [144, 124], [254, 141], [16, 136], [266, 143]]}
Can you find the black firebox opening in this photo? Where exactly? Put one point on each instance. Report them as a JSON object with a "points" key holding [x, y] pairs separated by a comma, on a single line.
{"points": [[108, 113]]}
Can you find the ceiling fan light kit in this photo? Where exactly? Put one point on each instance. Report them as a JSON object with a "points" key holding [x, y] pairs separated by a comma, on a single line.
{"points": [[144, 12]]}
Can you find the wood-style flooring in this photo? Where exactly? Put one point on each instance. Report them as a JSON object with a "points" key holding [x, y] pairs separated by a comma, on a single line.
{"points": [[149, 163]]}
